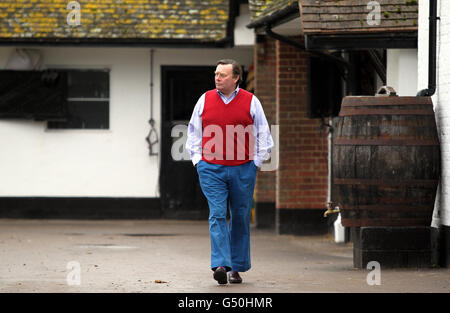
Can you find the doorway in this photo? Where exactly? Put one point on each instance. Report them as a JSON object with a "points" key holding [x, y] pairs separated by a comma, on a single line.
{"points": [[181, 195]]}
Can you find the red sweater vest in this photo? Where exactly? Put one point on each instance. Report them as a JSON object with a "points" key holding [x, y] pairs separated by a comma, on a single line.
{"points": [[227, 129]]}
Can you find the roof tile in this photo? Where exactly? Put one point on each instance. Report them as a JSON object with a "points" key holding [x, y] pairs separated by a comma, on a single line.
{"points": [[344, 16], [130, 19]]}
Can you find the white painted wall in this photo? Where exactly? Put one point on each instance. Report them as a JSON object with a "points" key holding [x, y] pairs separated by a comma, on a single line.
{"points": [[401, 71], [243, 36], [35, 161], [441, 99]]}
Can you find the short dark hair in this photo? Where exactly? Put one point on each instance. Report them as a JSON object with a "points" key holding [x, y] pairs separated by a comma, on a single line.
{"points": [[237, 68]]}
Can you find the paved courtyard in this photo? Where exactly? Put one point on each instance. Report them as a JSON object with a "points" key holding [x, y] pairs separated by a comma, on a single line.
{"points": [[135, 256]]}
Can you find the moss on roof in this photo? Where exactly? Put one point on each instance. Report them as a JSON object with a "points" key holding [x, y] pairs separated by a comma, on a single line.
{"points": [[118, 19], [262, 8], [347, 16]]}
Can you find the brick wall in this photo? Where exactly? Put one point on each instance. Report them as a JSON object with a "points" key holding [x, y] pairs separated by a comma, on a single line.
{"points": [[265, 83], [292, 197], [302, 175]]}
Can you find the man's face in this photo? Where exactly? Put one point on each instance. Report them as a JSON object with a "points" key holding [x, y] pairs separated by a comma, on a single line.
{"points": [[225, 82]]}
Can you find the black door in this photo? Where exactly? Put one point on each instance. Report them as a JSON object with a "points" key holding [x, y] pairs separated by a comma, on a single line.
{"points": [[181, 196]]}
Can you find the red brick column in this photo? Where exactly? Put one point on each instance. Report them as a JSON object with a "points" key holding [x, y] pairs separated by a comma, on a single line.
{"points": [[265, 87], [302, 176]]}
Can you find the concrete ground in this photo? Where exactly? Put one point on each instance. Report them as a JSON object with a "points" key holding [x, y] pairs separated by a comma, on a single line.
{"points": [[173, 256]]}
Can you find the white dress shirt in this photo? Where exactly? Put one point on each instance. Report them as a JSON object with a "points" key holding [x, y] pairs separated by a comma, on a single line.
{"points": [[263, 138]]}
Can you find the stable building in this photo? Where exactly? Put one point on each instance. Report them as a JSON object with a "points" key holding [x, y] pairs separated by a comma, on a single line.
{"points": [[90, 93]]}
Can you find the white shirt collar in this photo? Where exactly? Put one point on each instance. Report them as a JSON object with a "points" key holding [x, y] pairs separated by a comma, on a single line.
{"points": [[234, 93]]}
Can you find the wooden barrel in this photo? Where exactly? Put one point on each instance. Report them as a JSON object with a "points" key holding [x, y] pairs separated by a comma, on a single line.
{"points": [[386, 161]]}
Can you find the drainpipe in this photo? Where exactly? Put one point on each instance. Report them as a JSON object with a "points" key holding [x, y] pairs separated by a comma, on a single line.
{"points": [[431, 52]]}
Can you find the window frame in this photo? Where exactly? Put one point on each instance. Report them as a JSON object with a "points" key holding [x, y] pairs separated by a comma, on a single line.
{"points": [[65, 125]]}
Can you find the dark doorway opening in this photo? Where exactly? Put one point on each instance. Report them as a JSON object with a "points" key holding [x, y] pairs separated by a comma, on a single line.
{"points": [[181, 195]]}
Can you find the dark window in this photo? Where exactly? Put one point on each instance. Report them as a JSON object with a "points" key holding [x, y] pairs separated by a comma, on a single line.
{"points": [[325, 88], [34, 95], [363, 74], [87, 100]]}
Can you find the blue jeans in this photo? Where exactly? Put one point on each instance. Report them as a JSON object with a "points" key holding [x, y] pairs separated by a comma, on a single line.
{"points": [[230, 246]]}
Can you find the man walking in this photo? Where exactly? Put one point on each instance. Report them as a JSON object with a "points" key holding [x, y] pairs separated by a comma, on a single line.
{"points": [[228, 139]]}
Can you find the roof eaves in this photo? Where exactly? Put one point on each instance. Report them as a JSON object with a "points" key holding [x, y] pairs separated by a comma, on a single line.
{"points": [[288, 12], [118, 42]]}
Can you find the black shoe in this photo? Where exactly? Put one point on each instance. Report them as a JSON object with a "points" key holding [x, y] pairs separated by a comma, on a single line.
{"points": [[234, 278], [220, 274]]}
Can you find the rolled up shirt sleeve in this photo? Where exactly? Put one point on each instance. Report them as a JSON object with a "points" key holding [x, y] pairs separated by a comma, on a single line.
{"points": [[195, 132], [263, 138]]}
